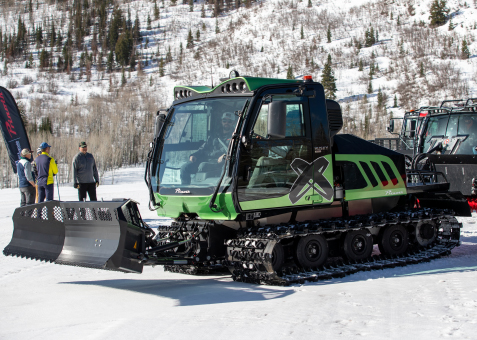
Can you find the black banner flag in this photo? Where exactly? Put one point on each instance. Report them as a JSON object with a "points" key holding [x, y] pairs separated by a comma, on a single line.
{"points": [[13, 130]]}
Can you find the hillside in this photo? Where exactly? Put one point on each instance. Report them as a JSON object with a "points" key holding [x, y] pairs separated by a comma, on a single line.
{"points": [[99, 70]]}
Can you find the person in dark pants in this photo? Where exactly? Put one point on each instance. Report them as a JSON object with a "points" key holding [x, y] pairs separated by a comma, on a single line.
{"points": [[35, 171], [85, 174], [46, 167], [26, 178]]}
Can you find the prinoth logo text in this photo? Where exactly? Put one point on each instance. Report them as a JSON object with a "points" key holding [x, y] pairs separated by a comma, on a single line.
{"points": [[9, 121]]}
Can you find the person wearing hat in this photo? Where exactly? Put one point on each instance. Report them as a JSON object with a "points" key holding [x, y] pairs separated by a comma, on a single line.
{"points": [[85, 173], [35, 171], [213, 151], [33, 163], [26, 179], [47, 168]]}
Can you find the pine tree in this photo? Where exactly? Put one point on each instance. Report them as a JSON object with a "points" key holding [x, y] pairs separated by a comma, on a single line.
{"points": [[197, 35], [156, 10], [169, 55], [309, 4], [290, 73], [395, 101], [421, 69], [451, 25], [371, 70], [438, 13], [114, 27], [302, 34], [45, 125], [380, 99], [217, 8], [44, 59], [123, 48], [369, 39], [328, 34], [161, 67], [217, 30], [370, 87], [190, 40], [191, 5], [136, 33], [109, 63], [360, 68], [39, 36], [53, 35], [202, 12], [123, 78], [132, 61], [465, 50], [148, 27], [328, 79]]}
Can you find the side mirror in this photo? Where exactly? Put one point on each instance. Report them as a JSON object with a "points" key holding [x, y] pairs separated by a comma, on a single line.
{"points": [[160, 119], [391, 126], [277, 119]]}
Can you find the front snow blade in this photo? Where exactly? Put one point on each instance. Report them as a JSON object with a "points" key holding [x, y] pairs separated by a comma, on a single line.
{"points": [[103, 235]]}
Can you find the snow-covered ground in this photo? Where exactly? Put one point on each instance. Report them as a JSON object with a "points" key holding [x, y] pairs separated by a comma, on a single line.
{"points": [[46, 301]]}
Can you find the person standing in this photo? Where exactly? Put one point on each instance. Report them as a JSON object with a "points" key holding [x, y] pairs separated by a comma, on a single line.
{"points": [[85, 173], [35, 172], [47, 168], [26, 178], [211, 153]]}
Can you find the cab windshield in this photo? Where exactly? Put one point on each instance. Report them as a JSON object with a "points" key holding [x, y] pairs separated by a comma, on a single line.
{"points": [[195, 144]]}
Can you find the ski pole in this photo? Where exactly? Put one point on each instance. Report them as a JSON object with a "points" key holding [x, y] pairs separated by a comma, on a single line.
{"points": [[58, 186]]}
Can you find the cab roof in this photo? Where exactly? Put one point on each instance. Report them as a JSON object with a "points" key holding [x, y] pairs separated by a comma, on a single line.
{"points": [[233, 86]]}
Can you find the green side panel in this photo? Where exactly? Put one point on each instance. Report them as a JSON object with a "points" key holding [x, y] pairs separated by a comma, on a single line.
{"points": [[311, 197], [380, 190], [255, 83], [174, 206], [252, 84], [198, 89]]}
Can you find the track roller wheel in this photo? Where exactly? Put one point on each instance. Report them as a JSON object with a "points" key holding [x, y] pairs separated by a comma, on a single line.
{"points": [[277, 259], [426, 233], [358, 245], [312, 251], [394, 240]]}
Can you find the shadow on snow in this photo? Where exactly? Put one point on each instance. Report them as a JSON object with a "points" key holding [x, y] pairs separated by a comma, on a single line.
{"points": [[193, 292]]}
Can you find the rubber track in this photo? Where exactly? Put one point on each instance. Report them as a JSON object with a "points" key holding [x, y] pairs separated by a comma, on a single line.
{"points": [[247, 253]]}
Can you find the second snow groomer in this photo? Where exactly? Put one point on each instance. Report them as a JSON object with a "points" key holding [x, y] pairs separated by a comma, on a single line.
{"points": [[85, 174]]}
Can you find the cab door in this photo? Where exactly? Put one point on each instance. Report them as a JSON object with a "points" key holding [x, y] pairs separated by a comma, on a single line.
{"points": [[278, 173]]}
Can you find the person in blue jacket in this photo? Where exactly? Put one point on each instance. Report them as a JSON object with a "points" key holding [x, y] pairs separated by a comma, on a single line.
{"points": [[47, 168], [26, 178]]}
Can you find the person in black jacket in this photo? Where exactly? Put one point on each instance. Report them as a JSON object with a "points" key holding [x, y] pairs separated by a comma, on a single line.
{"points": [[211, 152], [85, 173]]}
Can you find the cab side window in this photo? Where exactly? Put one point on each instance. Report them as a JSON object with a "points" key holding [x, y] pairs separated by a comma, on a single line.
{"points": [[269, 171]]}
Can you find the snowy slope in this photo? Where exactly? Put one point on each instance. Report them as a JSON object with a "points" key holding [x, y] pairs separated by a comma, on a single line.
{"points": [[433, 300], [263, 41]]}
